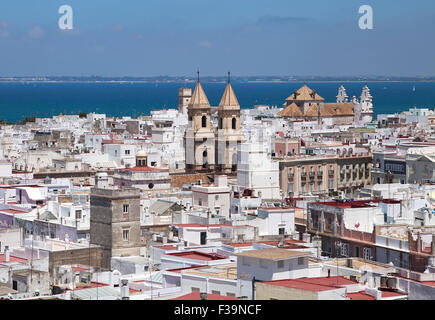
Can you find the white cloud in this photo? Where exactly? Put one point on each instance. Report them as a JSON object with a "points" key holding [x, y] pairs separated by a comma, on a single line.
{"points": [[36, 32]]}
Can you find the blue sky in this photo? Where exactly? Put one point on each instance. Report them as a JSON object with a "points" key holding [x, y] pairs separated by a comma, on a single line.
{"points": [[256, 37]]}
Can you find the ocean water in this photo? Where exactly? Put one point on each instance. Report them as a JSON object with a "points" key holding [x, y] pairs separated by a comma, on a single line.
{"points": [[20, 100]]}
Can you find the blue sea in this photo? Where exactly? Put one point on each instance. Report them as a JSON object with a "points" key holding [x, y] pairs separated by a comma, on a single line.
{"points": [[20, 100]]}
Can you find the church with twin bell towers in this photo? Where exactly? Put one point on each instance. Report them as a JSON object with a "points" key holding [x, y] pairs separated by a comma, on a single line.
{"points": [[209, 149]]}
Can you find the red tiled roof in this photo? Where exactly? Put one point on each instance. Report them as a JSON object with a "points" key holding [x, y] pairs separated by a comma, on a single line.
{"points": [[168, 247], [388, 294], [198, 255], [360, 296], [210, 296], [429, 283], [348, 204], [13, 211], [80, 269], [313, 284], [178, 270], [12, 258]]}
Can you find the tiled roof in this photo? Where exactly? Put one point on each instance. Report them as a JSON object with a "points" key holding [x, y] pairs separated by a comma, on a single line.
{"points": [[229, 98], [313, 284], [291, 111], [199, 99], [167, 247], [360, 296], [11, 259], [305, 93], [341, 109], [197, 255]]}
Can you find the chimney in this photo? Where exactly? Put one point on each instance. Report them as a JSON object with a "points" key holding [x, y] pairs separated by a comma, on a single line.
{"points": [[7, 254]]}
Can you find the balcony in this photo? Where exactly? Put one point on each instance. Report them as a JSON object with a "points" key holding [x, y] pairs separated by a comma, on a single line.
{"points": [[330, 172], [320, 173], [291, 177], [303, 174]]}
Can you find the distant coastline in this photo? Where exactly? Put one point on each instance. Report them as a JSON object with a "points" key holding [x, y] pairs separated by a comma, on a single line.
{"points": [[133, 97], [215, 79]]}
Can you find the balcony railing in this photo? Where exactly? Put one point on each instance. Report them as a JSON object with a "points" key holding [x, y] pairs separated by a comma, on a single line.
{"points": [[331, 172]]}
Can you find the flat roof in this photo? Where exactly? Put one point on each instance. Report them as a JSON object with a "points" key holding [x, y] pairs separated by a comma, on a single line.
{"points": [[210, 296], [227, 271], [195, 225], [274, 254], [313, 284]]}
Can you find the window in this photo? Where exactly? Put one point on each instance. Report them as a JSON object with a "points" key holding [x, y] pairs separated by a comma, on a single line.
{"points": [[357, 252], [125, 208], [345, 249], [280, 264], [195, 289], [367, 253], [233, 123], [263, 264], [301, 260], [230, 294], [127, 152], [200, 202], [78, 214], [331, 184], [125, 234], [204, 121], [245, 261], [216, 197], [215, 292]]}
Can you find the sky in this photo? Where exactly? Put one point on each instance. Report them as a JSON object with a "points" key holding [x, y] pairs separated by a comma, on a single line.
{"points": [[248, 37]]}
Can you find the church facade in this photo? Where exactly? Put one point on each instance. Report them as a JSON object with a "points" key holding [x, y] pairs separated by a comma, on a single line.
{"points": [[307, 104], [208, 148]]}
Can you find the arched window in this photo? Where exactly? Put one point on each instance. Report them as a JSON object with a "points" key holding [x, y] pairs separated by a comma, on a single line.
{"points": [[204, 159], [233, 123], [220, 123], [204, 121]]}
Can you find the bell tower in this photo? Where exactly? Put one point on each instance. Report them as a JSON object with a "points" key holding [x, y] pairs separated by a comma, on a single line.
{"points": [[229, 133], [199, 136]]}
